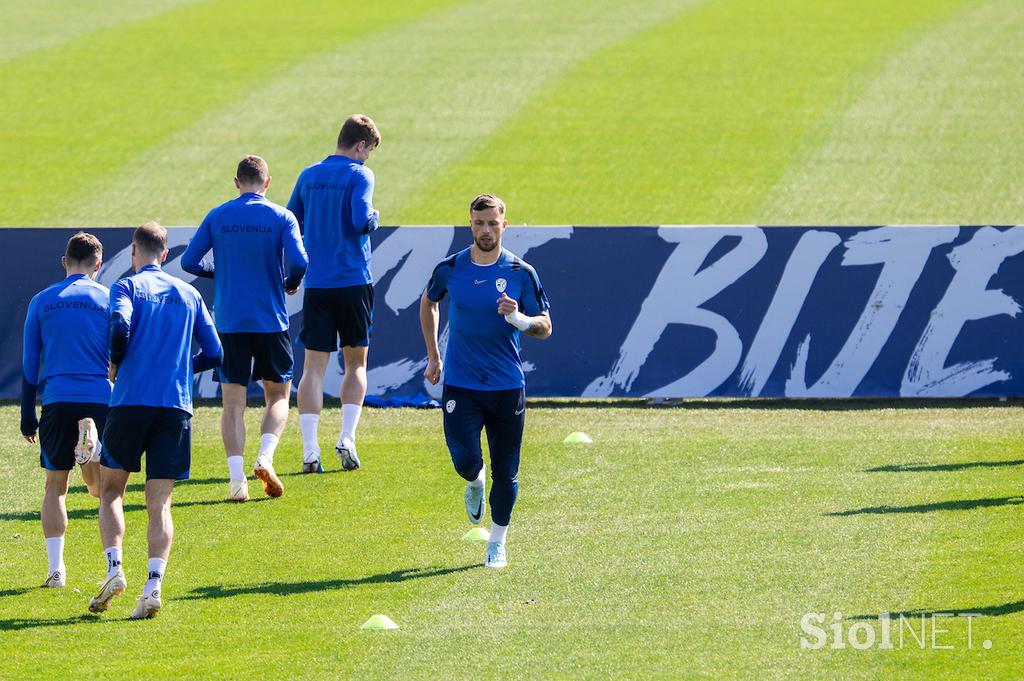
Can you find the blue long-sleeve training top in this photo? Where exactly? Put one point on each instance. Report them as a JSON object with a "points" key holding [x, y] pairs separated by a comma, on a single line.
{"points": [[250, 237], [333, 202], [65, 344], [154, 318]]}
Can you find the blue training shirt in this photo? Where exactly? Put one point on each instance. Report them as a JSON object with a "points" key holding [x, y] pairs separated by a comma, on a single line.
{"points": [[333, 202], [153, 320], [66, 328], [483, 348], [249, 237]]}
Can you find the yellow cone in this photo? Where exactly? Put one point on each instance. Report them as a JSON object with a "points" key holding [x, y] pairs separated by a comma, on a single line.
{"points": [[577, 438], [379, 623]]}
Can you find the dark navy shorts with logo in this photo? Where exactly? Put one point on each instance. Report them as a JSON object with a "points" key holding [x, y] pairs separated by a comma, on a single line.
{"points": [[337, 315], [164, 434], [58, 431], [256, 356]]}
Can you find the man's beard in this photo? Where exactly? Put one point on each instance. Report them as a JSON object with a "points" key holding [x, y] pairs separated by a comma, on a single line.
{"points": [[486, 249]]}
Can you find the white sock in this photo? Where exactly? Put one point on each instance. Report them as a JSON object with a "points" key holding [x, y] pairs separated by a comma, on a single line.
{"points": [[349, 420], [498, 533], [113, 555], [479, 482], [268, 443], [235, 471], [308, 424], [156, 575], [55, 553]]}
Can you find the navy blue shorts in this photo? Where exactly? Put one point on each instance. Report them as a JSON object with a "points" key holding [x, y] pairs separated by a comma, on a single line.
{"points": [[259, 356], [333, 316], [58, 431], [501, 413], [163, 433]]}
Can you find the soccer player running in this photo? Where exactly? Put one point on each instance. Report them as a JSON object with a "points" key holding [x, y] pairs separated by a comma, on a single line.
{"points": [[333, 201], [66, 328], [154, 318], [494, 296], [249, 237]]}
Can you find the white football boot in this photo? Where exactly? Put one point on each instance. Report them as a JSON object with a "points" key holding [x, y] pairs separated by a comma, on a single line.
{"points": [[147, 607], [238, 490], [264, 471], [496, 555], [56, 580], [475, 504], [88, 439], [346, 453], [111, 589]]}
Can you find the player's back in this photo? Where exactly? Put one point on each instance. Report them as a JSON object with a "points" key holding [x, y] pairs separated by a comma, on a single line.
{"points": [[157, 367], [248, 238], [72, 318], [339, 250]]}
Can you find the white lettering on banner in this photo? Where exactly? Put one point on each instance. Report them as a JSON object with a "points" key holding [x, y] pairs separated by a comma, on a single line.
{"points": [[903, 253], [416, 251], [801, 269], [966, 299], [681, 288]]}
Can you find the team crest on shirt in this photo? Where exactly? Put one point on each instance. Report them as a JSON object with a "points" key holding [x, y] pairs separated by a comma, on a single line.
{"points": [[450, 407], [500, 284]]}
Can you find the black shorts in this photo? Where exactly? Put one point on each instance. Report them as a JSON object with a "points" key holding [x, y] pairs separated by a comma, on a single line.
{"points": [[163, 433], [333, 314], [58, 431], [259, 356]]}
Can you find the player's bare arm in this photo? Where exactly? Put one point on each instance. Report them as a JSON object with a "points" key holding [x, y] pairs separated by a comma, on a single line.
{"points": [[538, 326], [429, 322]]}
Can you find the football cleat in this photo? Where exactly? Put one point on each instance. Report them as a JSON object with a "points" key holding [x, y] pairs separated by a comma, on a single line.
{"points": [[238, 490], [147, 607], [88, 438], [495, 555], [312, 466], [56, 580], [111, 589], [346, 453], [475, 504], [264, 470]]}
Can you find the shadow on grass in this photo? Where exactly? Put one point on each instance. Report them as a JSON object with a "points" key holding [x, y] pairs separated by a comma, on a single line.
{"points": [[18, 623], [939, 467], [984, 611], [19, 591], [84, 513], [141, 486], [958, 505], [785, 404], [331, 471], [292, 588]]}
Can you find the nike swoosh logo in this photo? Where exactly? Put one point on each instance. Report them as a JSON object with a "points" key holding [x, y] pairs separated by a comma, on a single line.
{"points": [[520, 411], [479, 509], [479, 281]]}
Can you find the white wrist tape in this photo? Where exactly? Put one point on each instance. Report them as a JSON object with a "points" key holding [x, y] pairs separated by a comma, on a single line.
{"points": [[519, 320]]}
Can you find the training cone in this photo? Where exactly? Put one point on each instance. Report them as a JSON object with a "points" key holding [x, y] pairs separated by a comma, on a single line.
{"points": [[379, 623], [477, 534], [577, 438]]}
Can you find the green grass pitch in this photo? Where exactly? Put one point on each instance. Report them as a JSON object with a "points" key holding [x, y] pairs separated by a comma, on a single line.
{"points": [[577, 111], [684, 542]]}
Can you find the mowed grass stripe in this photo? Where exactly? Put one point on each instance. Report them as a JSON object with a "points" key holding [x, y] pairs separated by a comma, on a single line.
{"points": [[692, 121], [438, 87], [936, 136], [79, 112], [41, 24]]}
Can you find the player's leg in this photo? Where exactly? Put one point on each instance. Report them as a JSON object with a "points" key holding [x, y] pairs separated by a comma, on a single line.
{"points": [[504, 423], [272, 363], [319, 335], [232, 428], [58, 431], [54, 518], [353, 392], [354, 318], [124, 438], [463, 422], [96, 414], [168, 459], [274, 419]]}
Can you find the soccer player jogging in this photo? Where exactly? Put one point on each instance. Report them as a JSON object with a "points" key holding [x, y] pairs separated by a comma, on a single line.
{"points": [[333, 201], [66, 330], [249, 237], [154, 318], [494, 296]]}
